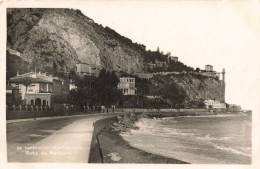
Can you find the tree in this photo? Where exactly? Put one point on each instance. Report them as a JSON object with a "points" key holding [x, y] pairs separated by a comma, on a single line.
{"points": [[26, 82], [197, 70], [54, 71], [174, 94], [113, 79]]}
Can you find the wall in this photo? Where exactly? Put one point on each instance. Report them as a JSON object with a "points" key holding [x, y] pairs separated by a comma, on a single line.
{"points": [[95, 153]]}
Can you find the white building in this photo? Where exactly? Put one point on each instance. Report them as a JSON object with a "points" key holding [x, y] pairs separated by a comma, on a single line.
{"points": [[215, 104], [41, 90], [127, 85], [208, 68]]}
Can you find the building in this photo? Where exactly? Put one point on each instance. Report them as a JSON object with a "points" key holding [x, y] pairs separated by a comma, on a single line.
{"points": [[172, 58], [215, 104], [83, 69], [40, 89], [161, 64], [208, 68], [127, 85], [150, 66]]}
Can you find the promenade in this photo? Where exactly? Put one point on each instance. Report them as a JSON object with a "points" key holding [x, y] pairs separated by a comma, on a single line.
{"points": [[59, 139]]}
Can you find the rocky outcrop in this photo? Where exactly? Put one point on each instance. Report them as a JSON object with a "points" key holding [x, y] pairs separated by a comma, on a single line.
{"points": [[64, 37], [194, 85], [125, 123]]}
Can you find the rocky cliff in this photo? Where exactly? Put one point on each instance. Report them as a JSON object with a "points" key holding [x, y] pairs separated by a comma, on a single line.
{"points": [[63, 37], [193, 85]]}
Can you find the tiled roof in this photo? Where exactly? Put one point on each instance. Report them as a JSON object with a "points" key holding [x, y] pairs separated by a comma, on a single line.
{"points": [[35, 78]]}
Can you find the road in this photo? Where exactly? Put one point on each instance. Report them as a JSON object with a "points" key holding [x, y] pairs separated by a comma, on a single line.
{"points": [[51, 140]]}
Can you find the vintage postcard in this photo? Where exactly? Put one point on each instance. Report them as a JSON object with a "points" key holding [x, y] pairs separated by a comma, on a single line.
{"points": [[127, 83]]}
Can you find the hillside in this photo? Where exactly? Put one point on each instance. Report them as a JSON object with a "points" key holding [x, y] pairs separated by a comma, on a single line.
{"points": [[63, 37], [60, 38], [188, 87], [57, 39]]}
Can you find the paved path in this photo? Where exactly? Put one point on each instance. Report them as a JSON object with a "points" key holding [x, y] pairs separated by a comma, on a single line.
{"points": [[47, 118], [70, 144]]}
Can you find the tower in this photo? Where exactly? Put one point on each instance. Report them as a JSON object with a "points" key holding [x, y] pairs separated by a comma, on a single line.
{"points": [[223, 74], [223, 82]]}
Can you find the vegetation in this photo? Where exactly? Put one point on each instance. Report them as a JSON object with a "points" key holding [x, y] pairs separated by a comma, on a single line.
{"points": [[15, 64], [26, 82], [178, 67], [101, 90]]}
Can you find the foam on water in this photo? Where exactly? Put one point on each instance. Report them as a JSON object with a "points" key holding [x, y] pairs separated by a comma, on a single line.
{"points": [[216, 139]]}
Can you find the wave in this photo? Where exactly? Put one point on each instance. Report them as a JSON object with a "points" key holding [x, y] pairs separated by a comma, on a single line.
{"points": [[199, 116], [233, 150], [173, 137]]}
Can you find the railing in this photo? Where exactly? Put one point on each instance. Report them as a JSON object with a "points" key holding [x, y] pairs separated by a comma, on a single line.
{"points": [[27, 108]]}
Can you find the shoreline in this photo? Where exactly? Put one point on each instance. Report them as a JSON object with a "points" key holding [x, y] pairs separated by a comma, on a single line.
{"points": [[114, 149]]}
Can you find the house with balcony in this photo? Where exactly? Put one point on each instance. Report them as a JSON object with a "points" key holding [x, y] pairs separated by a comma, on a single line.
{"points": [[40, 89], [127, 85]]}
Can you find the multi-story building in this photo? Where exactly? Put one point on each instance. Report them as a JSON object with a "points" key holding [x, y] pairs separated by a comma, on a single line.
{"points": [[40, 89], [127, 85], [215, 104], [83, 69]]}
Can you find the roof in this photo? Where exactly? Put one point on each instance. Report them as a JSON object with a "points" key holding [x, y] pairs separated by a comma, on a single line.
{"points": [[127, 78], [33, 77], [33, 80]]}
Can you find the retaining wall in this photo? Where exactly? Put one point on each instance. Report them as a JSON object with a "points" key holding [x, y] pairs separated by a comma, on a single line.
{"points": [[95, 153]]}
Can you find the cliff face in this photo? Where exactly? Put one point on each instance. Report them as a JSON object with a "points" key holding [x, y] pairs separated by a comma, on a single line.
{"points": [[195, 86], [64, 37]]}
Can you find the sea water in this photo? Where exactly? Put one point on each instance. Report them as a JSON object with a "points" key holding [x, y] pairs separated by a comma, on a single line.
{"points": [[218, 139]]}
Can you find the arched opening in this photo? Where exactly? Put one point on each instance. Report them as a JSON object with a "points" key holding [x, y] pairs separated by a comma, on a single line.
{"points": [[32, 102], [44, 102], [38, 102]]}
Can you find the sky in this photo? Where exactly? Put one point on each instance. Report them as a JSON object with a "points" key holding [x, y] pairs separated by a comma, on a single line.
{"points": [[220, 33], [225, 34]]}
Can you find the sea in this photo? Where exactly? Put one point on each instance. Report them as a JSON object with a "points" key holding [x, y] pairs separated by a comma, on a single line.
{"points": [[212, 139]]}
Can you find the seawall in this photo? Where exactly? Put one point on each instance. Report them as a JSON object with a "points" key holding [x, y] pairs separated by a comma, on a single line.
{"points": [[95, 153]]}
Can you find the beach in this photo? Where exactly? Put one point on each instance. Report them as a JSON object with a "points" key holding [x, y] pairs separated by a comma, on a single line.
{"points": [[113, 145]]}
